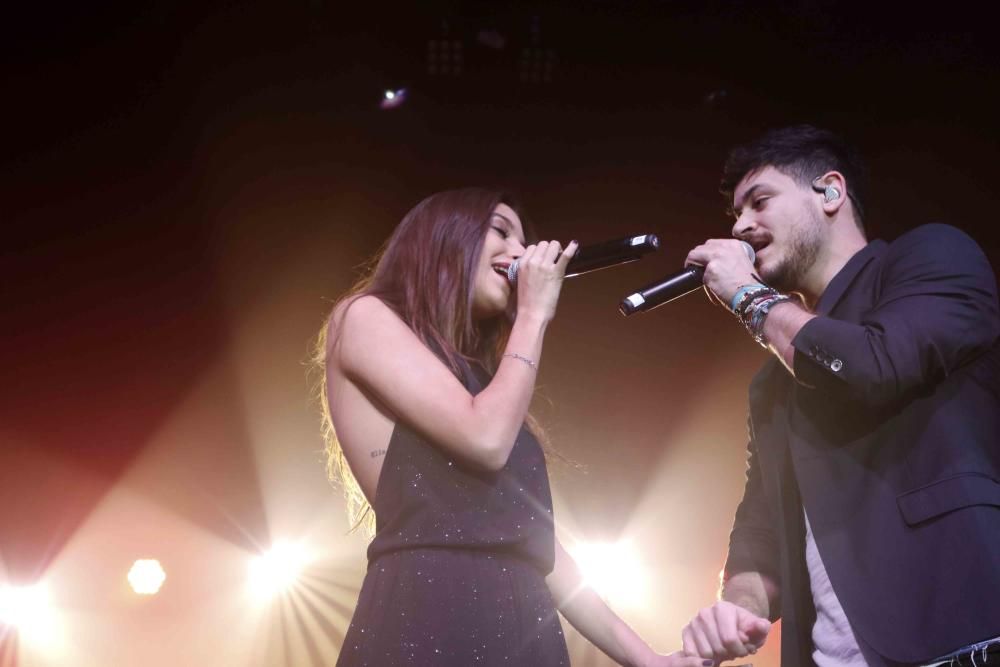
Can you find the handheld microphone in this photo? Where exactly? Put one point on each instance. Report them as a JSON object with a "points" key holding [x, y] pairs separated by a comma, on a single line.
{"points": [[602, 255], [673, 286]]}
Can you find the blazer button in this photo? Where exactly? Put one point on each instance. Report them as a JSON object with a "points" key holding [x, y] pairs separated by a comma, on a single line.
{"points": [[836, 365]]}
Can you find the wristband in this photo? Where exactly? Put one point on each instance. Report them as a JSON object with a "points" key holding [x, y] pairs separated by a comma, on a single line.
{"points": [[742, 292]]}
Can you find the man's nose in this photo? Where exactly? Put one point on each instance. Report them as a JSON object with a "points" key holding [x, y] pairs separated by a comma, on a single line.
{"points": [[744, 223]]}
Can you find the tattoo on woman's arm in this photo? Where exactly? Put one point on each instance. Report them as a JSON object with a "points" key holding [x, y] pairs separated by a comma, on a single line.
{"points": [[377, 452]]}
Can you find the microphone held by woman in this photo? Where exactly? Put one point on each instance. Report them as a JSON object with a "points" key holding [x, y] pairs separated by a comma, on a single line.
{"points": [[603, 255]]}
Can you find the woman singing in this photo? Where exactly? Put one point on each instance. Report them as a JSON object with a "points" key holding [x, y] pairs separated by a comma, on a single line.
{"points": [[430, 364]]}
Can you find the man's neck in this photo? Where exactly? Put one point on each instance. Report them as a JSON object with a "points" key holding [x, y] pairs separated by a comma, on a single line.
{"points": [[828, 265]]}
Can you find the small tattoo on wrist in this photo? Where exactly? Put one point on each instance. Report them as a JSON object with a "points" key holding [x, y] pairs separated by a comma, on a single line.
{"points": [[377, 452]]}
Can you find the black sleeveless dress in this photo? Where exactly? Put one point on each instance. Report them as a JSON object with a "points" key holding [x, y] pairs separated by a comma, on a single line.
{"points": [[456, 569]]}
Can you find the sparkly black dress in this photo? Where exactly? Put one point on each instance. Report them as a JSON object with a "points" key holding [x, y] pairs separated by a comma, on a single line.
{"points": [[456, 570]]}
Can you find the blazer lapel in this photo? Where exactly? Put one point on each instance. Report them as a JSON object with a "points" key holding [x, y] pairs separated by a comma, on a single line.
{"points": [[835, 291]]}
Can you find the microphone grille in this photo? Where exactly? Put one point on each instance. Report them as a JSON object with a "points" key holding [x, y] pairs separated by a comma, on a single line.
{"points": [[512, 271]]}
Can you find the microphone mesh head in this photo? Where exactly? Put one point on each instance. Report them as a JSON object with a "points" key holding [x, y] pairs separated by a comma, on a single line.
{"points": [[512, 271]]}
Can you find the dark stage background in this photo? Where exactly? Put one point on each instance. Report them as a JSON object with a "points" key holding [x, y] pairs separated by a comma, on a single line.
{"points": [[186, 188]]}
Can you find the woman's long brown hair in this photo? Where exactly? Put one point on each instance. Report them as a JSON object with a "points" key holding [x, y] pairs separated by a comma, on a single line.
{"points": [[426, 273]]}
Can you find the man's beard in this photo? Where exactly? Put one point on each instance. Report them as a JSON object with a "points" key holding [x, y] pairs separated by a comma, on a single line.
{"points": [[802, 248]]}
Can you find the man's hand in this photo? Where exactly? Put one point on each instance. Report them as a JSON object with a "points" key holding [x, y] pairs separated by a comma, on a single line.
{"points": [[724, 631], [727, 267]]}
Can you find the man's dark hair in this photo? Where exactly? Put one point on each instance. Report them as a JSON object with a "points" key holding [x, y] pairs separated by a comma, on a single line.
{"points": [[802, 152]]}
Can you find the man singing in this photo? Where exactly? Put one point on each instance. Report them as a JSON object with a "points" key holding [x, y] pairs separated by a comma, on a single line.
{"points": [[870, 521]]}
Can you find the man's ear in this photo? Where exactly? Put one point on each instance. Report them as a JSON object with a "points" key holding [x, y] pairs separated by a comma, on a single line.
{"points": [[833, 187]]}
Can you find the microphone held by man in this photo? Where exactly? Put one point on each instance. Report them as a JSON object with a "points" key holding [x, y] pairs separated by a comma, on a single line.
{"points": [[669, 288]]}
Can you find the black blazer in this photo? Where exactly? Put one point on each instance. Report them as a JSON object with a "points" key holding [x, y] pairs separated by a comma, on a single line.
{"points": [[889, 436]]}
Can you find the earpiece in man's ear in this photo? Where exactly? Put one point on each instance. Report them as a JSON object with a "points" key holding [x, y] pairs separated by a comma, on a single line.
{"points": [[829, 192]]}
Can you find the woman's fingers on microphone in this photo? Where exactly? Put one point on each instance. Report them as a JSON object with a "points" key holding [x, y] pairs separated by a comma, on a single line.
{"points": [[568, 253], [541, 250], [526, 256], [552, 252]]}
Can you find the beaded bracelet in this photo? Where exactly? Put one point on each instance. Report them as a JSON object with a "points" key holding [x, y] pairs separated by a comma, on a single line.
{"points": [[749, 298], [744, 291], [756, 313], [764, 309], [745, 308], [515, 355]]}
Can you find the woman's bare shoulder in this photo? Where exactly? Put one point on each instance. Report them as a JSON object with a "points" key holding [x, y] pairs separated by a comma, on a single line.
{"points": [[363, 311], [359, 316]]}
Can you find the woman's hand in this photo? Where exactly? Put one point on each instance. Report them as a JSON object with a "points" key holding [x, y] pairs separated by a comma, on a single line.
{"points": [[540, 272], [678, 659]]}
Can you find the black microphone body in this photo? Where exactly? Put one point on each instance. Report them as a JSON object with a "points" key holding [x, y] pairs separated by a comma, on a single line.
{"points": [[603, 255], [611, 253], [667, 289], [672, 287]]}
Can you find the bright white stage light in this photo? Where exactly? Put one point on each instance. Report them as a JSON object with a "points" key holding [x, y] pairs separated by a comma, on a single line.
{"points": [[278, 569], [393, 98], [146, 576], [20, 605], [615, 571], [28, 609]]}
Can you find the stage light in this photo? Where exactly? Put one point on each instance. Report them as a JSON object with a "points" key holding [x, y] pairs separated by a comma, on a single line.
{"points": [[277, 570], [615, 571], [27, 609], [146, 576], [393, 98]]}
